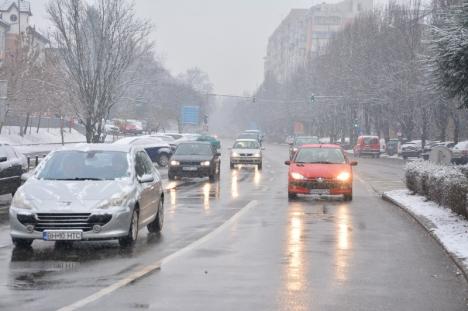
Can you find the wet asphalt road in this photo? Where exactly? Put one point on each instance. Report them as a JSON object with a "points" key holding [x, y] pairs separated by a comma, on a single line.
{"points": [[271, 254]]}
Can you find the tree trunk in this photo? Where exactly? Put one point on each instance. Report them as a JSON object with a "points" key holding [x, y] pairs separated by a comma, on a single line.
{"points": [[61, 131], [39, 123], [26, 124], [456, 127]]}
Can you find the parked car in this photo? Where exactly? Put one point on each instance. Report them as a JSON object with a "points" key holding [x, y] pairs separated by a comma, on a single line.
{"points": [[320, 170], [215, 143], [195, 159], [89, 192], [300, 141], [12, 165], [158, 150], [166, 138], [367, 145], [393, 147], [411, 149], [460, 153], [110, 128], [132, 127], [246, 151]]}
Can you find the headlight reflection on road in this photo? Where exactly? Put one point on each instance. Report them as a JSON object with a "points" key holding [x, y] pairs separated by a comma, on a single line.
{"points": [[295, 248], [206, 196], [257, 176], [343, 243], [234, 184]]}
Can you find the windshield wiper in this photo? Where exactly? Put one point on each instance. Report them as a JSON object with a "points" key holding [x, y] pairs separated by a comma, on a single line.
{"points": [[80, 179], [322, 162]]}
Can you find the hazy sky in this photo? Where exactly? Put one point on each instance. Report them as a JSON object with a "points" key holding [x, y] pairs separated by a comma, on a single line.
{"points": [[225, 38]]}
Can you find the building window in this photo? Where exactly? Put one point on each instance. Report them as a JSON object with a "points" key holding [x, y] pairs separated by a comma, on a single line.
{"points": [[13, 18]]}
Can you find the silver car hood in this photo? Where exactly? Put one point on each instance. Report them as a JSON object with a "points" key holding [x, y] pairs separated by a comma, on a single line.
{"points": [[78, 196]]}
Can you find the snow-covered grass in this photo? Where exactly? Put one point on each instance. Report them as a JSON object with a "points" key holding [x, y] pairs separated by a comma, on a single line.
{"points": [[449, 228], [10, 135]]}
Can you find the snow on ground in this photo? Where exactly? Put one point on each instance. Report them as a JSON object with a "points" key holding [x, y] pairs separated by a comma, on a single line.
{"points": [[449, 228], [10, 135]]}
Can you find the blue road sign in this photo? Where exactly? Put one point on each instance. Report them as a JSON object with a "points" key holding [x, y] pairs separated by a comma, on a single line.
{"points": [[191, 115]]}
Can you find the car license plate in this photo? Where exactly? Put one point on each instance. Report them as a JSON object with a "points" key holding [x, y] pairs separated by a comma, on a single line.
{"points": [[189, 168], [65, 235], [320, 191]]}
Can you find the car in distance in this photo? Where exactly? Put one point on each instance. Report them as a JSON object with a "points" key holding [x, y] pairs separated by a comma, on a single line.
{"points": [[300, 141], [246, 151], [460, 153], [89, 192], [367, 145], [393, 147], [195, 159], [158, 150], [12, 166], [320, 170], [215, 143]]}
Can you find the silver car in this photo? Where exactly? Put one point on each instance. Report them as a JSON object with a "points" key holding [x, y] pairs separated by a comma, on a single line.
{"points": [[246, 151], [89, 192]]}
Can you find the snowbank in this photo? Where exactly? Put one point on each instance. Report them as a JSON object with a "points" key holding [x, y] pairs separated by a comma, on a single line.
{"points": [[450, 229], [442, 184], [10, 135]]}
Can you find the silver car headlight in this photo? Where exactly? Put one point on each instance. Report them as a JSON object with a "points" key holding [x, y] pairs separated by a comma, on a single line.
{"points": [[20, 201], [235, 154], [115, 201], [205, 163], [257, 155]]}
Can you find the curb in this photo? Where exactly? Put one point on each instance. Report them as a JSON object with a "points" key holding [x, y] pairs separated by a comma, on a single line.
{"points": [[428, 226]]}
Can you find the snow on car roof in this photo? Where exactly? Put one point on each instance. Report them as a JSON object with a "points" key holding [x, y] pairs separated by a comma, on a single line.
{"points": [[321, 146], [98, 147], [247, 139]]}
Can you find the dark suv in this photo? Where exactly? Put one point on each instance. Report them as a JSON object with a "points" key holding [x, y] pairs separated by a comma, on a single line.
{"points": [[195, 159], [12, 166]]}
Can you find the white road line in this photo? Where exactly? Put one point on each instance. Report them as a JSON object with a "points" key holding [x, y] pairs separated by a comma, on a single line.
{"points": [[157, 265]]}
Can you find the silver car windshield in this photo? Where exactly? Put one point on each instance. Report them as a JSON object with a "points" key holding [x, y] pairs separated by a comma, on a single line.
{"points": [[246, 145], [89, 165]]}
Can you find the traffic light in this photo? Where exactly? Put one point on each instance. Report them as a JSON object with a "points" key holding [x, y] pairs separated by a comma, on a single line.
{"points": [[312, 99], [356, 123]]}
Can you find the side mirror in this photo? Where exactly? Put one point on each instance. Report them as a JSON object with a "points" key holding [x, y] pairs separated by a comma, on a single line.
{"points": [[263, 148], [145, 179], [353, 163], [25, 177], [218, 154], [287, 162], [3, 159]]}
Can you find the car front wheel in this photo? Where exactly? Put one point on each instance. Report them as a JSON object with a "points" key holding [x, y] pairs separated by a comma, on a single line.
{"points": [[132, 235], [157, 224], [348, 197]]}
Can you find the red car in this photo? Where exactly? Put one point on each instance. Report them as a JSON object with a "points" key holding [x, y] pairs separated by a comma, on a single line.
{"points": [[367, 145], [320, 170]]}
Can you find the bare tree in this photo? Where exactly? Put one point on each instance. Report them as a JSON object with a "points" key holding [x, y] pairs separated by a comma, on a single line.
{"points": [[97, 42]]}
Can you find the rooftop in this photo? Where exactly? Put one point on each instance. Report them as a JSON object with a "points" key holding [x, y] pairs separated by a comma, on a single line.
{"points": [[5, 5]]}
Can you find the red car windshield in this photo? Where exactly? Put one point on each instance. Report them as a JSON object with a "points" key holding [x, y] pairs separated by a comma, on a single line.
{"points": [[320, 155]]}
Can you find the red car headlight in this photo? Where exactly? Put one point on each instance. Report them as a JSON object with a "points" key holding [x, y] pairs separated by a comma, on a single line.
{"points": [[344, 176], [297, 176]]}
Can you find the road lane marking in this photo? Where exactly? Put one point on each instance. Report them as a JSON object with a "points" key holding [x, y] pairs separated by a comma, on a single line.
{"points": [[157, 264]]}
